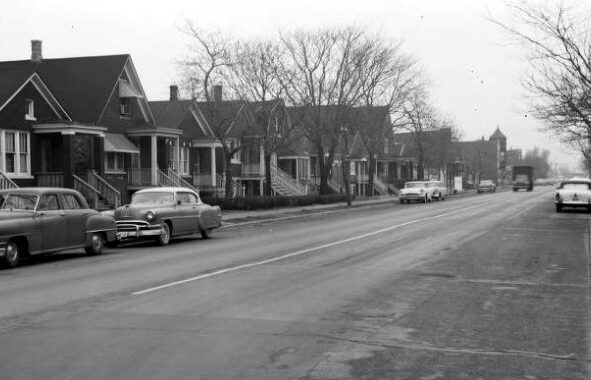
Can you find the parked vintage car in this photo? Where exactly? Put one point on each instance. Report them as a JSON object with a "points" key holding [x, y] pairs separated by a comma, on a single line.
{"points": [[486, 185], [574, 192], [419, 191], [163, 212], [439, 190], [42, 220]]}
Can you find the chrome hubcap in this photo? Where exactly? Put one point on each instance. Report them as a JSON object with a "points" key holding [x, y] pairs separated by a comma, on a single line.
{"points": [[96, 242], [11, 252]]}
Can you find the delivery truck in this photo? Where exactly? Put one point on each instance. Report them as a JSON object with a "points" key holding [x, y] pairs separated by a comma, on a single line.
{"points": [[523, 177]]}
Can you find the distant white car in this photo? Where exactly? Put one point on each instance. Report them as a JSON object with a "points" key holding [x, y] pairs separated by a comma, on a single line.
{"points": [[439, 190], [574, 192], [418, 191]]}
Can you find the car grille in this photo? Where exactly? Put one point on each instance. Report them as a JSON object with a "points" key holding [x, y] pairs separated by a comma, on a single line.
{"points": [[133, 225]]}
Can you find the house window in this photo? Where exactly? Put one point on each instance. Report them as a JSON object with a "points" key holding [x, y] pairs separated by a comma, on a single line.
{"points": [[16, 152], [29, 109], [115, 162], [124, 107], [184, 158]]}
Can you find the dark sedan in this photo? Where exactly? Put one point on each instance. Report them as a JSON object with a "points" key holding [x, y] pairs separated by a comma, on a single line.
{"points": [[486, 185], [42, 220]]}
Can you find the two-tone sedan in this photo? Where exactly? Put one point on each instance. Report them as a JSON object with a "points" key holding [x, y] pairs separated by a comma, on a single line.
{"points": [[41, 220], [161, 213], [574, 192], [419, 191]]}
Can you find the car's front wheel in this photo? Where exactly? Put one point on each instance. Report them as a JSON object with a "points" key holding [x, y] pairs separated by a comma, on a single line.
{"points": [[206, 233], [164, 237], [12, 254], [95, 245]]}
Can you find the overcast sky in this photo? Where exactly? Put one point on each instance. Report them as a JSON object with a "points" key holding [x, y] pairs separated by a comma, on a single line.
{"points": [[474, 69]]}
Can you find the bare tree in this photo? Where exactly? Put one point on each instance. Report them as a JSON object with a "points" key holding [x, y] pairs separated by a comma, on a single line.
{"points": [[419, 118], [321, 75], [558, 84], [387, 80], [254, 78], [208, 64]]}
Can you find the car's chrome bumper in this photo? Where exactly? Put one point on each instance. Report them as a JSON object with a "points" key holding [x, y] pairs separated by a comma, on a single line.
{"points": [[137, 229]]}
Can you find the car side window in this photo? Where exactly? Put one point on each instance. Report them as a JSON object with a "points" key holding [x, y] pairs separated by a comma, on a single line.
{"points": [[186, 198], [48, 202], [71, 202]]}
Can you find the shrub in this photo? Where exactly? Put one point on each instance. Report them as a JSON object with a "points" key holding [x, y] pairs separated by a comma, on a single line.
{"points": [[266, 202]]}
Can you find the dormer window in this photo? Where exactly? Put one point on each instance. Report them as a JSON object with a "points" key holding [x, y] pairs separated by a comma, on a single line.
{"points": [[124, 107], [29, 109]]}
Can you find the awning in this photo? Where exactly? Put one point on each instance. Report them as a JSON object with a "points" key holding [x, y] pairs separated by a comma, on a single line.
{"points": [[115, 142], [126, 90]]}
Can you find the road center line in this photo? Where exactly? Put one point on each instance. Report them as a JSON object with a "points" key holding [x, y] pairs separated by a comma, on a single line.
{"points": [[297, 253]]}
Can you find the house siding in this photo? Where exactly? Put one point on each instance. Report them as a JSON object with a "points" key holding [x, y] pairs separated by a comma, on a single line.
{"points": [[13, 115]]}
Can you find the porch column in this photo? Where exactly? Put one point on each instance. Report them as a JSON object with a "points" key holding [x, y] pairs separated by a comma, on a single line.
{"points": [[154, 159], [177, 153], [68, 141], [99, 154], [213, 168]]}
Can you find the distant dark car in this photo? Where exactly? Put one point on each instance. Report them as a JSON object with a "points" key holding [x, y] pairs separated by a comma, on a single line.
{"points": [[42, 220], [486, 185], [163, 212]]}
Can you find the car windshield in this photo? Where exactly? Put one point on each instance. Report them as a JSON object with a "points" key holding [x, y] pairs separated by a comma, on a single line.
{"points": [[152, 197], [414, 185], [575, 186], [20, 202], [486, 182]]}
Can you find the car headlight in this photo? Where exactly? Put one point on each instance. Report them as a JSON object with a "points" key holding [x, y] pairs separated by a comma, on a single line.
{"points": [[557, 196], [150, 216]]}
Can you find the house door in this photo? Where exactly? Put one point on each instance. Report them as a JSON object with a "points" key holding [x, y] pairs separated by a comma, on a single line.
{"points": [[83, 149]]}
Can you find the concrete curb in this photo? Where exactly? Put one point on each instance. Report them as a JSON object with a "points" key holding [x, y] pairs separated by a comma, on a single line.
{"points": [[232, 216]]}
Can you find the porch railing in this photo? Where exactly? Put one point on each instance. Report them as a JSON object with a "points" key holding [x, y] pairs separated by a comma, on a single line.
{"points": [[285, 184], [204, 180], [50, 179], [180, 180], [139, 177], [110, 193], [252, 170], [6, 183], [379, 186], [165, 180], [90, 192]]}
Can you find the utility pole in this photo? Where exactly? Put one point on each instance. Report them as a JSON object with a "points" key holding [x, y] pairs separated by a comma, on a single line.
{"points": [[345, 164]]}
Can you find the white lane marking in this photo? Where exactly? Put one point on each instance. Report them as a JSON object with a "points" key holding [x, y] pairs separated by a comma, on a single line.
{"points": [[297, 253], [225, 224]]}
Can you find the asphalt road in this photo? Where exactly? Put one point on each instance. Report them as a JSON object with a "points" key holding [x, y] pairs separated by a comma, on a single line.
{"points": [[494, 286]]}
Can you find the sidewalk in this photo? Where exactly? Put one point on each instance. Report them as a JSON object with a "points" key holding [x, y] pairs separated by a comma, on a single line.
{"points": [[240, 216], [235, 216]]}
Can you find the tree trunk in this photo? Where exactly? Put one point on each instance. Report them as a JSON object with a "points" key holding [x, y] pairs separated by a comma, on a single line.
{"points": [[346, 170], [268, 183], [371, 173], [323, 172], [228, 168]]}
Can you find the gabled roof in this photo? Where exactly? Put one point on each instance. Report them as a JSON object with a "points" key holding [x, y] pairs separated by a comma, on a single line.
{"points": [[10, 82], [82, 85], [233, 115], [170, 113]]}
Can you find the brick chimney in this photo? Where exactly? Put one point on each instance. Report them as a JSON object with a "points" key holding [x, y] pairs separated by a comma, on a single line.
{"points": [[217, 93], [36, 51], [174, 92]]}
